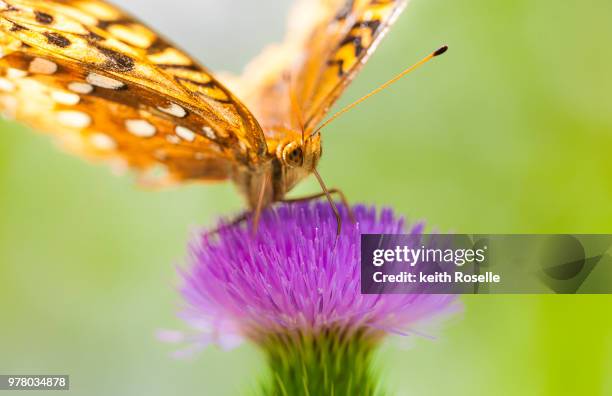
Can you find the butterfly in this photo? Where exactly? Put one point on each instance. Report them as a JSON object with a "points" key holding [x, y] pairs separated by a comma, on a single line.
{"points": [[110, 88]]}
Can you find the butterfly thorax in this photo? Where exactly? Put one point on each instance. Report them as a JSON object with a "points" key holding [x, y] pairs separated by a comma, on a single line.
{"points": [[289, 161]]}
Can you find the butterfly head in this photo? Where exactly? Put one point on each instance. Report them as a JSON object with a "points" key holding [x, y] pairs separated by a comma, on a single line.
{"points": [[296, 153]]}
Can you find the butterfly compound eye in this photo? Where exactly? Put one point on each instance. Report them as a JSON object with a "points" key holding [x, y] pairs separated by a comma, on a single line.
{"points": [[293, 155]]}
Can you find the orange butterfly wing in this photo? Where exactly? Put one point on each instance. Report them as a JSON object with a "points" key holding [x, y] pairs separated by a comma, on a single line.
{"points": [[327, 44], [111, 88]]}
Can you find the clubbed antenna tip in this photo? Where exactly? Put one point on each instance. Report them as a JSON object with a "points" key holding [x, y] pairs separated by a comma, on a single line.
{"points": [[441, 50]]}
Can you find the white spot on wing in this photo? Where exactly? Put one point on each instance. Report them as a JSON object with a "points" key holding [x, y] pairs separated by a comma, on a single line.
{"points": [[102, 141], [74, 119], [104, 82], [80, 88], [140, 128], [208, 131], [42, 66], [185, 134], [65, 98], [13, 73], [174, 110]]}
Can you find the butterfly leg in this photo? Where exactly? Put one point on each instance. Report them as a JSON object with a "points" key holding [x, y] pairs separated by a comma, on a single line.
{"points": [[259, 207], [328, 194], [332, 204], [238, 220], [256, 215], [320, 195]]}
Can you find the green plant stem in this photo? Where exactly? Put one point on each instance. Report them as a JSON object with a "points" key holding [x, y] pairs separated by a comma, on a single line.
{"points": [[331, 363]]}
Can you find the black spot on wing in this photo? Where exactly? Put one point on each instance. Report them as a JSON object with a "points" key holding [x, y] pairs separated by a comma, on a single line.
{"points": [[57, 39], [337, 63], [373, 25], [158, 46], [356, 37], [93, 37], [17, 28], [102, 24], [43, 18], [10, 7], [116, 61], [355, 41]]}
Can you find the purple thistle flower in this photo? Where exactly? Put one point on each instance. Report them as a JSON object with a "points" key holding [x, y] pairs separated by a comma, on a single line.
{"points": [[296, 275]]}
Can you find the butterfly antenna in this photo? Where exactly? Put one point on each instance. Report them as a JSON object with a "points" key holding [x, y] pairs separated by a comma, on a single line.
{"points": [[420, 63]]}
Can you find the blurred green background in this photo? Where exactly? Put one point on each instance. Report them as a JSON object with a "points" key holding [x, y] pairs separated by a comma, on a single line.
{"points": [[510, 132]]}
